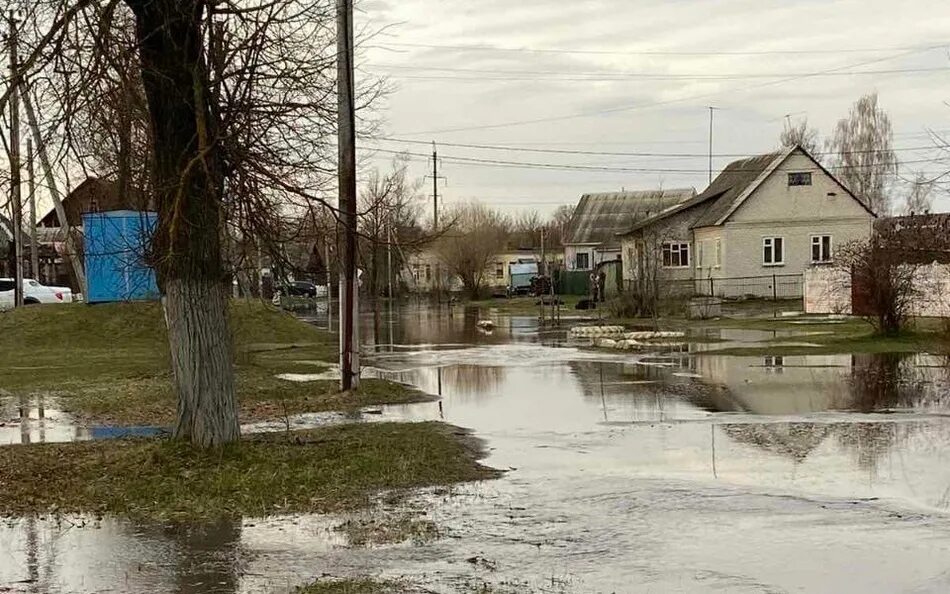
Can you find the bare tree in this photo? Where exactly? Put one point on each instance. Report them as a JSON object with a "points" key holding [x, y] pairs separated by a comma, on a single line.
{"points": [[884, 278], [863, 154], [390, 214], [471, 244], [919, 198], [559, 224], [239, 102], [800, 134]]}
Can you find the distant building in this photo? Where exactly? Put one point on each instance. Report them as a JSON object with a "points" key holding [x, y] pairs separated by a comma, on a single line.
{"points": [[92, 195], [766, 216], [599, 219]]}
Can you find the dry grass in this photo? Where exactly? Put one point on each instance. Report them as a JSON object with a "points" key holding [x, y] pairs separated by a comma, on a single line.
{"points": [[108, 364], [312, 471]]}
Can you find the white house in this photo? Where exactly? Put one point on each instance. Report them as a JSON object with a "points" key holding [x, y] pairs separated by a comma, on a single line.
{"points": [[598, 219], [770, 216]]}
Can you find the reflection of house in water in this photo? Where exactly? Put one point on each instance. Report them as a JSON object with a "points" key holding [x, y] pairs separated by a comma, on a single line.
{"points": [[771, 385], [792, 440]]}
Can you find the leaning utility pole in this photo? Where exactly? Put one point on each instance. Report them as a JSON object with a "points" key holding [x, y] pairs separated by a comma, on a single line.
{"points": [[34, 245], [71, 248], [15, 198], [346, 130]]}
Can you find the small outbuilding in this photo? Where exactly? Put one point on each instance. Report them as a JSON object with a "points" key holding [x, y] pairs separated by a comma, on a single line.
{"points": [[115, 247]]}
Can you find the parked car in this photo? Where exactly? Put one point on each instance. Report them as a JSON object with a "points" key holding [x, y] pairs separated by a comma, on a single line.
{"points": [[33, 293], [305, 289]]}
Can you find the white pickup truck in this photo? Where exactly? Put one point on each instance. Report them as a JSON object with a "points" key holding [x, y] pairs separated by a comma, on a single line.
{"points": [[33, 293]]}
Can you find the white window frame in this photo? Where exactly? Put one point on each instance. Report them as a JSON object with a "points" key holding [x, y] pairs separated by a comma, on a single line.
{"points": [[718, 252], [700, 254], [817, 240], [770, 241], [679, 251]]}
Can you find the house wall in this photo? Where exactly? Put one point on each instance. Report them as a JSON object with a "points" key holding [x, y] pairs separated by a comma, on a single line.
{"points": [[570, 256], [424, 272], [596, 255], [795, 213], [672, 229]]}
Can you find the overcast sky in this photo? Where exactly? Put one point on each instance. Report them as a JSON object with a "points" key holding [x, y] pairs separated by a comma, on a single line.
{"points": [[637, 77]]}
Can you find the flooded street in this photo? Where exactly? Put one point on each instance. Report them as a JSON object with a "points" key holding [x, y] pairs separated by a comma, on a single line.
{"points": [[654, 471]]}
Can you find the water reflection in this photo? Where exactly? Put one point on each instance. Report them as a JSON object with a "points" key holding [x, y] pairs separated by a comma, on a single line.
{"points": [[667, 470]]}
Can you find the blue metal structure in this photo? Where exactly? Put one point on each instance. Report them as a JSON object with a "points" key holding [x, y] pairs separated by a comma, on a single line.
{"points": [[115, 245]]}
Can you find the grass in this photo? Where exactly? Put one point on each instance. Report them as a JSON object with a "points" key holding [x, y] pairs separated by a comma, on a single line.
{"points": [[317, 471], [109, 364], [522, 305], [849, 335]]}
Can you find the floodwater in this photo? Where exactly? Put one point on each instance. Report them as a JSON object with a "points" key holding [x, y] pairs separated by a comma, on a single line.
{"points": [[664, 471]]}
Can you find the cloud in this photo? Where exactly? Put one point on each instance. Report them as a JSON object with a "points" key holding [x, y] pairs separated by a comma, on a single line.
{"points": [[642, 114]]}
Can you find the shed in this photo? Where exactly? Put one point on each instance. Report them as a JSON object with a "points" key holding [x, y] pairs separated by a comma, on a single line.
{"points": [[115, 245]]}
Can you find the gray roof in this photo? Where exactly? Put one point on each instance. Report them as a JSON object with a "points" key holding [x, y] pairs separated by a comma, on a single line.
{"points": [[730, 188], [599, 218], [732, 183]]}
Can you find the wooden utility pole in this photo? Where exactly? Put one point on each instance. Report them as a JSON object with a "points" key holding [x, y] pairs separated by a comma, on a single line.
{"points": [[435, 187], [389, 257], [52, 188], [346, 130], [16, 203], [34, 245], [711, 111]]}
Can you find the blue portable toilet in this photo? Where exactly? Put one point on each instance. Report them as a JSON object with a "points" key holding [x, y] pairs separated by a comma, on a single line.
{"points": [[115, 245]]}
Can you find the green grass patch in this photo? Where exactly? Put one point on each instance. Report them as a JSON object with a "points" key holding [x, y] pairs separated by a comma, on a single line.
{"points": [[109, 363], [322, 470], [521, 305]]}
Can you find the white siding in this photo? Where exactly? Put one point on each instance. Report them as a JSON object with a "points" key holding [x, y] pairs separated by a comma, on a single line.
{"points": [[795, 213]]}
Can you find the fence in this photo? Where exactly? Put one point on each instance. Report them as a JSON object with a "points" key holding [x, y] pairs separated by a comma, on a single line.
{"points": [[776, 286]]}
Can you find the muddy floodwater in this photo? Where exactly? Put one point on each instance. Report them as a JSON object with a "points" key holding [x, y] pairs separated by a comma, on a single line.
{"points": [[676, 470]]}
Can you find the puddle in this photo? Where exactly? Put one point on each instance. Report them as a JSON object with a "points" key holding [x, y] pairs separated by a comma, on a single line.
{"points": [[629, 472]]}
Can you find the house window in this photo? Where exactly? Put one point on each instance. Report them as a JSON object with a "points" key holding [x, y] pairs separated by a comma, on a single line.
{"points": [[773, 251], [700, 254], [499, 270], [93, 205], [799, 179], [718, 253], [675, 255], [428, 273], [821, 249], [582, 261]]}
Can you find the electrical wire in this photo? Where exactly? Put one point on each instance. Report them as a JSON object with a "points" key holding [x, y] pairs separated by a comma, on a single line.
{"points": [[509, 148], [628, 108]]}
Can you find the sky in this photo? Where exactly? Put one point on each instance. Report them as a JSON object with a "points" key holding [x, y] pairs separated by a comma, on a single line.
{"points": [[638, 78]]}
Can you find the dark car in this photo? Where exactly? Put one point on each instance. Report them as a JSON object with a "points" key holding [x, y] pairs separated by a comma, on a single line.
{"points": [[302, 289]]}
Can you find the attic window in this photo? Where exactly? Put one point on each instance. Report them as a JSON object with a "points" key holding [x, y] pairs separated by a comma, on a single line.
{"points": [[799, 179]]}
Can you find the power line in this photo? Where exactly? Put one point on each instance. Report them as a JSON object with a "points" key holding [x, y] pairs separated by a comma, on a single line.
{"points": [[706, 52], [665, 102], [513, 148], [598, 168], [603, 75]]}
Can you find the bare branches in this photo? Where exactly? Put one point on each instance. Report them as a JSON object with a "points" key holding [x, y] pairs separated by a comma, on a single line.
{"points": [[866, 162]]}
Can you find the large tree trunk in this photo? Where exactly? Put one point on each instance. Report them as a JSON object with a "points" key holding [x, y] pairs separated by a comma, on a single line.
{"points": [[186, 246]]}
